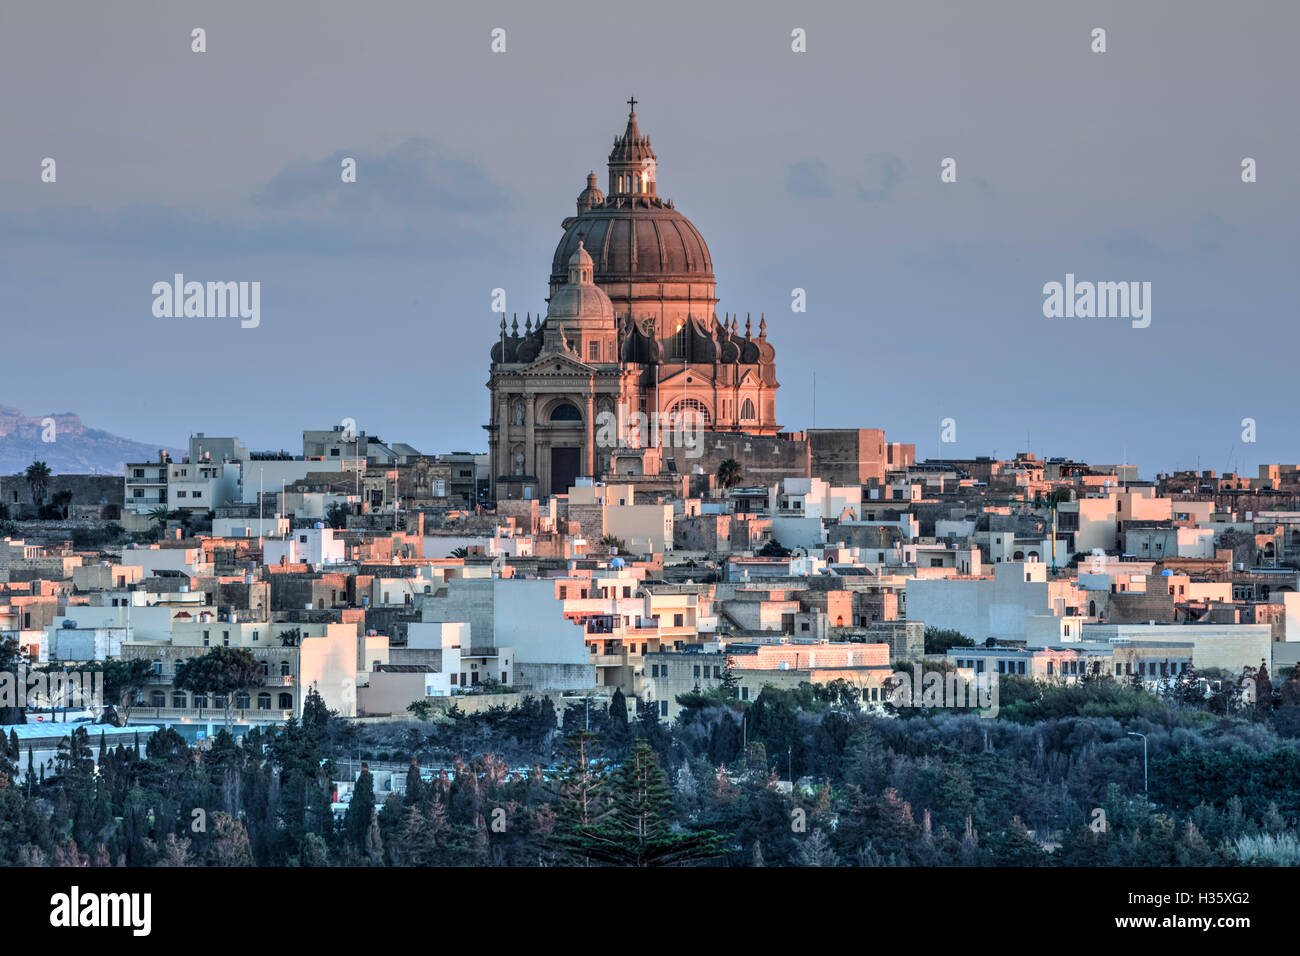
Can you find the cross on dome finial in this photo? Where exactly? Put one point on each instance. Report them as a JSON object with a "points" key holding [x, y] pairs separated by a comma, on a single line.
{"points": [[632, 103]]}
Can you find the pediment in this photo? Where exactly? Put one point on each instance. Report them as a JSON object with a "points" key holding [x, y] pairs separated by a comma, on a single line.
{"points": [[557, 363]]}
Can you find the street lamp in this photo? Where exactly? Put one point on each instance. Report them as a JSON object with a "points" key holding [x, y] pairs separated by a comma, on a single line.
{"points": [[1144, 760]]}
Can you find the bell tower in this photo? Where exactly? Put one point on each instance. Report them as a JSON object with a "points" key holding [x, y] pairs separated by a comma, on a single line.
{"points": [[632, 163]]}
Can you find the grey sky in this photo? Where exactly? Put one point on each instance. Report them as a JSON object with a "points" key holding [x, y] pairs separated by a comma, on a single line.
{"points": [[817, 171]]}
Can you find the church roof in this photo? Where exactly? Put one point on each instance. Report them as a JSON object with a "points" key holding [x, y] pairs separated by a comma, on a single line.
{"points": [[632, 233]]}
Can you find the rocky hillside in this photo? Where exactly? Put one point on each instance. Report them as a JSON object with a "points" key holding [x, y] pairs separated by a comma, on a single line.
{"points": [[75, 449]]}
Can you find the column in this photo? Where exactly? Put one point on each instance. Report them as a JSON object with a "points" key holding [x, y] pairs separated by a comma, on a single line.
{"points": [[530, 453], [591, 430]]}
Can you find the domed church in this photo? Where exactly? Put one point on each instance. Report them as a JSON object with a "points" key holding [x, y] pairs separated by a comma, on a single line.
{"points": [[631, 326]]}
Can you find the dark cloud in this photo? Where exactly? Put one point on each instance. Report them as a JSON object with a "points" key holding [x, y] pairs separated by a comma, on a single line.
{"points": [[808, 179], [884, 172]]}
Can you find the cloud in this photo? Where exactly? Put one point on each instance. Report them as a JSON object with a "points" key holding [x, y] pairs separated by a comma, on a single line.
{"points": [[414, 179], [413, 201], [808, 178], [884, 172]]}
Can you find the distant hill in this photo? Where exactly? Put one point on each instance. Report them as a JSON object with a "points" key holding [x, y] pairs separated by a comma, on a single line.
{"points": [[76, 449]]}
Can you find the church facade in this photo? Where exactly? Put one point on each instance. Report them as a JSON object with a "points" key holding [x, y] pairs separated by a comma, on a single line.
{"points": [[631, 329]]}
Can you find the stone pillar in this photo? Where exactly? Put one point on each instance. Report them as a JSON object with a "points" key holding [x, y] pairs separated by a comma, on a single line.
{"points": [[591, 431], [530, 452]]}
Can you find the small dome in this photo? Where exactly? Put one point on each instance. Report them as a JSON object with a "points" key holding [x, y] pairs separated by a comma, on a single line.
{"points": [[580, 297], [591, 196]]}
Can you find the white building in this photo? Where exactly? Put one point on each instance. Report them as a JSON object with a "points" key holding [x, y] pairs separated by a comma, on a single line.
{"points": [[305, 546]]}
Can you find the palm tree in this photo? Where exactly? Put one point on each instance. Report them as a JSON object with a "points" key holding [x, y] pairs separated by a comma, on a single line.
{"points": [[160, 516], [38, 479], [729, 473]]}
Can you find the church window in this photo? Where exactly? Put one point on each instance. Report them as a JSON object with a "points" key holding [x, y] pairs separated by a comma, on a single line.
{"points": [[747, 411], [686, 410], [593, 350], [566, 412]]}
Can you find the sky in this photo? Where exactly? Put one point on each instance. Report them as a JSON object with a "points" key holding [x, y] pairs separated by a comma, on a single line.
{"points": [[817, 170]]}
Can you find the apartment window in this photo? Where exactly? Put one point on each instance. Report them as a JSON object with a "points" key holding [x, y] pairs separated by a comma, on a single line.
{"points": [[1021, 668], [663, 704], [564, 592], [284, 668], [454, 677], [627, 592], [137, 493], [697, 670], [241, 701], [219, 701], [178, 701], [200, 701], [157, 699], [286, 701], [197, 494], [206, 638], [744, 693], [225, 638], [1118, 668], [803, 626], [138, 473], [717, 672], [257, 635], [180, 494], [677, 620], [1049, 668], [263, 701]]}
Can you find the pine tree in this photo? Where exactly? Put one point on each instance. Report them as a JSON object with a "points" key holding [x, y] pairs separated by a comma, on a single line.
{"points": [[637, 831], [582, 802], [414, 785], [361, 808]]}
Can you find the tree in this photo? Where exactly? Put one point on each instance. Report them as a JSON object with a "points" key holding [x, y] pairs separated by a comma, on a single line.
{"points": [[336, 515], [461, 552], [223, 672], [160, 516], [939, 640], [637, 830], [123, 680], [729, 473], [582, 802], [361, 810], [618, 715], [38, 479], [612, 543], [63, 502]]}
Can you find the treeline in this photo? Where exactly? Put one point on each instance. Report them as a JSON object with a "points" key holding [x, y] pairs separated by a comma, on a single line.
{"points": [[806, 776]]}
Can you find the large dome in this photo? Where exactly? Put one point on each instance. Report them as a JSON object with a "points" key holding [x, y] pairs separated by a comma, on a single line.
{"points": [[635, 238], [633, 235]]}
